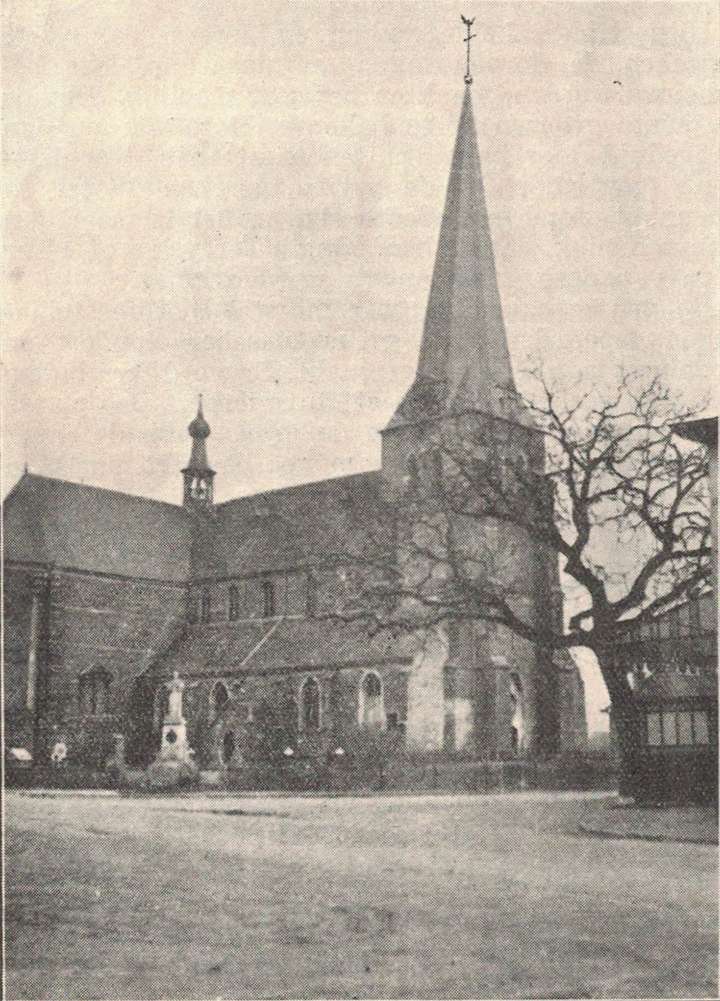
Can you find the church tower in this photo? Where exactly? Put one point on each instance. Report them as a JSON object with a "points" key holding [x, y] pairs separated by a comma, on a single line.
{"points": [[198, 476], [497, 690]]}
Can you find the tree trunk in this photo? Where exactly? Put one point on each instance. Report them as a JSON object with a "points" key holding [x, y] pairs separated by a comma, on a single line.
{"points": [[625, 721], [627, 731]]}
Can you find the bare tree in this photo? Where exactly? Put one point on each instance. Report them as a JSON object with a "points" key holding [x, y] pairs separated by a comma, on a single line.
{"points": [[597, 483]]}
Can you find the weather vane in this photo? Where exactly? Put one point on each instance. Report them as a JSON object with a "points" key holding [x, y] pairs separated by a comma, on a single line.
{"points": [[468, 22]]}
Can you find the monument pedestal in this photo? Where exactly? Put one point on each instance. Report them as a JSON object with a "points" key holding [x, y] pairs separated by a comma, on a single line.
{"points": [[173, 765]]}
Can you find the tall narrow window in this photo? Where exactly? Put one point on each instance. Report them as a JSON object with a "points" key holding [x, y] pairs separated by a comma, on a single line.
{"points": [[700, 728], [233, 603], [94, 692], [654, 729], [205, 605], [372, 711], [220, 697], [310, 703], [517, 722], [268, 599]]}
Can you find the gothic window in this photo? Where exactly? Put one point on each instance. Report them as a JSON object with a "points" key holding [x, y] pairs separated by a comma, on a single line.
{"points": [[310, 705], [228, 747], [233, 603], [268, 591], [205, 605], [94, 692], [371, 709], [517, 723], [220, 697]]}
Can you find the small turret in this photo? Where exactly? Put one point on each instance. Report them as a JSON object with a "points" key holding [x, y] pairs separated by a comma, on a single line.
{"points": [[197, 475]]}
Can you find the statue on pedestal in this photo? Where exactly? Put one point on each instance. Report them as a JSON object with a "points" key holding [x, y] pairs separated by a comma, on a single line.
{"points": [[176, 686], [174, 762]]}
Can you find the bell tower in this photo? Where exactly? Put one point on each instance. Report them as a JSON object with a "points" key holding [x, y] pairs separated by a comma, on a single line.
{"points": [[198, 476]]}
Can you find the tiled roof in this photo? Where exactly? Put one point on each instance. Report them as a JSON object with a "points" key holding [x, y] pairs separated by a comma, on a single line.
{"points": [[295, 526], [262, 646], [88, 528]]}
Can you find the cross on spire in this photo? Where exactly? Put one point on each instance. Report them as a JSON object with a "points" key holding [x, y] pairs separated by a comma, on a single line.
{"points": [[468, 22]]}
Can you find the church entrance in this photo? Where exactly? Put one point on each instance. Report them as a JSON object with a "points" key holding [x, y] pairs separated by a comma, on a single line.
{"points": [[140, 736]]}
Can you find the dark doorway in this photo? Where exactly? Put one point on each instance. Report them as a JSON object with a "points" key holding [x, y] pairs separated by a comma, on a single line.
{"points": [[140, 739]]}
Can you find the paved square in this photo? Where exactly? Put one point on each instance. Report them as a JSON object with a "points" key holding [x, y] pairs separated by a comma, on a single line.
{"points": [[434, 896]]}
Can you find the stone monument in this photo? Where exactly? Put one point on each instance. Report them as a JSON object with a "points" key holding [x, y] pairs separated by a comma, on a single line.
{"points": [[173, 764]]}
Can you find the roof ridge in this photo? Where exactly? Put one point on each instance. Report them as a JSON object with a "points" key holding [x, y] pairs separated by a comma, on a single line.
{"points": [[92, 486], [300, 486]]}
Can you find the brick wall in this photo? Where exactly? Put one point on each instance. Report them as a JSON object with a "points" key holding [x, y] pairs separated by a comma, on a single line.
{"points": [[93, 622]]}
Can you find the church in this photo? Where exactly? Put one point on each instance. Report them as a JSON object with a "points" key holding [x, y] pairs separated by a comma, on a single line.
{"points": [[109, 595]]}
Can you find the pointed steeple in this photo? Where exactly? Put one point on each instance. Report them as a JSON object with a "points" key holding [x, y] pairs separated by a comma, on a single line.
{"points": [[464, 359], [197, 475]]}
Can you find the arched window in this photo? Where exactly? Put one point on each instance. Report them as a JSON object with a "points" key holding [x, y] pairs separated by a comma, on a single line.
{"points": [[233, 603], [228, 747], [268, 591], [205, 605], [94, 692], [220, 697], [310, 705], [517, 723], [371, 709]]}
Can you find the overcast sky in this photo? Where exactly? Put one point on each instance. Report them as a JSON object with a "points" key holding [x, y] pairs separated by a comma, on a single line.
{"points": [[243, 199]]}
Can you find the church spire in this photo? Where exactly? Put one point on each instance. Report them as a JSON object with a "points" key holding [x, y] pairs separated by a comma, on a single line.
{"points": [[197, 475], [464, 358]]}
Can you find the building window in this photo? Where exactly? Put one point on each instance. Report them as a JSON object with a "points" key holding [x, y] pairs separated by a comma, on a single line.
{"points": [[371, 709], [228, 747], [310, 705], [684, 728], [670, 729], [220, 697], [517, 721], [233, 603], [700, 728], [654, 729], [94, 692], [268, 591], [205, 605]]}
